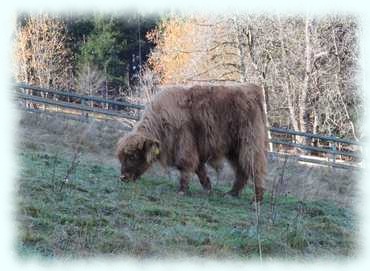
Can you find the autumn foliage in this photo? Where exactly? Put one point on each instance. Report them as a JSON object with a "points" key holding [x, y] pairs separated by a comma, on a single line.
{"points": [[41, 55], [175, 41], [307, 66]]}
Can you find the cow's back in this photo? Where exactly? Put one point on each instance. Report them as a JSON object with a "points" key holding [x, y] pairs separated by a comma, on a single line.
{"points": [[218, 116], [221, 115]]}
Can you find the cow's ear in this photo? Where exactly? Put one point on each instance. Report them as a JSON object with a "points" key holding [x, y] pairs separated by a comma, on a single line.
{"points": [[140, 141], [119, 148], [152, 150]]}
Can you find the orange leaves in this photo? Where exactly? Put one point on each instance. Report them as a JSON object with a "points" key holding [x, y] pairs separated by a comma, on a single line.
{"points": [[174, 43], [194, 48], [41, 56]]}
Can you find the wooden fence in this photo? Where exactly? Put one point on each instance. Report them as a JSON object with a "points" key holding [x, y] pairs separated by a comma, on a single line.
{"points": [[332, 147]]}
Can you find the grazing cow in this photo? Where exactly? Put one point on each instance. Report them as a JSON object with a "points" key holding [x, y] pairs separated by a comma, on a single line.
{"points": [[189, 126]]}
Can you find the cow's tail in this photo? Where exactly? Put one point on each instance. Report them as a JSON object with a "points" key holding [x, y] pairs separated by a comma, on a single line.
{"points": [[261, 103]]}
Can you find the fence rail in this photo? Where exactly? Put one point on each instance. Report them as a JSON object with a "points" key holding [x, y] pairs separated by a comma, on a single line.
{"points": [[317, 149], [333, 151], [72, 94], [322, 137], [75, 106]]}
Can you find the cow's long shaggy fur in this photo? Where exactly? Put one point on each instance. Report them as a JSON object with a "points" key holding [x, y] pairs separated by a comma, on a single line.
{"points": [[203, 124]]}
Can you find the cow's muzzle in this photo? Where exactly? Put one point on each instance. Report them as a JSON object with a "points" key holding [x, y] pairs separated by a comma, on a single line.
{"points": [[126, 178]]}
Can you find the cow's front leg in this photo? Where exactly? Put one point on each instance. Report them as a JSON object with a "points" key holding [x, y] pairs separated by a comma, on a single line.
{"points": [[186, 158], [203, 178], [184, 183]]}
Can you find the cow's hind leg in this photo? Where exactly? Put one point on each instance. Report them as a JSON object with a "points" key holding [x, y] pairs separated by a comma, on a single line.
{"points": [[203, 178], [258, 175], [241, 179], [258, 189], [246, 168]]}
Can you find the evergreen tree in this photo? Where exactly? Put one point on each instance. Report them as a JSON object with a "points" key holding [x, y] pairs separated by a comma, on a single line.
{"points": [[101, 50], [115, 44]]}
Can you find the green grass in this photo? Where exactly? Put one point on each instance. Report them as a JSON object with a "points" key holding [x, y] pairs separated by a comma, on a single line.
{"points": [[95, 214]]}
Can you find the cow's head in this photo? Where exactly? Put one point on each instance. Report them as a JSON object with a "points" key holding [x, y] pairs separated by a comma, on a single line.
{"points": [[136, 153]]}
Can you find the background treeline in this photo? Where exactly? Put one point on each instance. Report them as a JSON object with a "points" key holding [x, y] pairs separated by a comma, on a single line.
{"points": [[95, 53], [307, 65]]}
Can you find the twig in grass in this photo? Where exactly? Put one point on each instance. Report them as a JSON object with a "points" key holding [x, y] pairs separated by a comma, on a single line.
{"points": [[54, 170], [273, 200], [257, 205], [257, 212], [277, 189], [296, 237], [76, 157], [74, 163], [54, 166], [304, 184]]}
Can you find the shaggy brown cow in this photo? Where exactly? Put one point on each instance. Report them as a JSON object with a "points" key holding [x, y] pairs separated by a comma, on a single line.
{"points": [[187, 127]]}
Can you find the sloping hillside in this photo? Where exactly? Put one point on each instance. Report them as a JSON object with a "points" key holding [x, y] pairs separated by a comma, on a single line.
{"points": [[96, 140], [93, 213]]}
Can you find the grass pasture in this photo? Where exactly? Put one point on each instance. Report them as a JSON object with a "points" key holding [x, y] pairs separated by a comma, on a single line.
{"points": [[94, 214]]}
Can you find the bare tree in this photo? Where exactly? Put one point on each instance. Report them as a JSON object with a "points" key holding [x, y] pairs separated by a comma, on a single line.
{"points": [[306, 65], [41, 55], [89, 80], [148, 84]]}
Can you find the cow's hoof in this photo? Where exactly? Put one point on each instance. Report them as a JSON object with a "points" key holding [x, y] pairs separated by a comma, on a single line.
{"points": [[181, 193], [253, 200], [228, 196], [207, 191], [256, 206], [232, 194]]}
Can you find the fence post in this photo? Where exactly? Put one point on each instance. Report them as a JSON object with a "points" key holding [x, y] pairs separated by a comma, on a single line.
{"points": [[334, 149], [84, 115]]}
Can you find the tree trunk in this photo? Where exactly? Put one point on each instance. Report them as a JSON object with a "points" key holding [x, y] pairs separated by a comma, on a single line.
{"points": [[303, 110], [286, 86], [241, 51], [266, 109], [340, 86]]}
